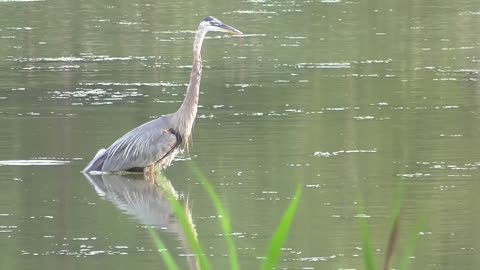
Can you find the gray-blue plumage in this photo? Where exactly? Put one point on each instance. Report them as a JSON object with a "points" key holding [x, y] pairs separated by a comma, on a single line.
{"points": [[152, 142]]}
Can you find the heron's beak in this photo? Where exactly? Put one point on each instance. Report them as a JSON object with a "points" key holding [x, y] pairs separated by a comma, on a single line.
{"points": [[229, 29]]}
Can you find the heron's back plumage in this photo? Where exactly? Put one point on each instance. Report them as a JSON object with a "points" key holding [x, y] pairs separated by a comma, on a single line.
{"points": [[97, 162], [153, 142]]}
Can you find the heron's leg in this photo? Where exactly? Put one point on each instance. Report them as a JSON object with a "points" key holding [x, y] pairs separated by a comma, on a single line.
{"points": [[146, 170], [149, 173], [152, 173]]}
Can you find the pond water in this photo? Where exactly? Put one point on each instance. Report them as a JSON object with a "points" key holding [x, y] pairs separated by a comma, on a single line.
{"points": [[356, 101]]}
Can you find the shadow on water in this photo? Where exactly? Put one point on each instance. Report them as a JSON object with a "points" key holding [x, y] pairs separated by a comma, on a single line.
{"points": [[145, 198]]}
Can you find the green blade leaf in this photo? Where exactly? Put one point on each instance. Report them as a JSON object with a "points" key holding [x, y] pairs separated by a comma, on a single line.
{"points": [[188, 229], [411, 244], [224, 218], [167, 257], [281, 233], [366, 244]]}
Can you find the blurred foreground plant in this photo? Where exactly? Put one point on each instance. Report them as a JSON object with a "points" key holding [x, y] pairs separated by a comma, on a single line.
{"points": [[276, 243], [392, 241]]}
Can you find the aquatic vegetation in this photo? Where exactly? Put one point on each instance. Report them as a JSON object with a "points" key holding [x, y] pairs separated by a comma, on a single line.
{"points": [[275, 246], [404, 260], [166, 256], [281, 233]]}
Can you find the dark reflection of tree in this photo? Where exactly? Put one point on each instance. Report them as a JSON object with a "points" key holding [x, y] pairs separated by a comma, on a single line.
{"points": [[146, 200]]}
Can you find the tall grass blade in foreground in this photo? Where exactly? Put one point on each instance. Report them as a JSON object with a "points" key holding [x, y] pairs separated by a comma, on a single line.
{"points": [[411, 244], [394, 231], [224, 218], [167, 257], [366, 244], [189, 231], [276, 243], [281, 233], [392, 241]]}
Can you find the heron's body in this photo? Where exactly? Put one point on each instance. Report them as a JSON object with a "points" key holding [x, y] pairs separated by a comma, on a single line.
{"points": [[155, 143]]}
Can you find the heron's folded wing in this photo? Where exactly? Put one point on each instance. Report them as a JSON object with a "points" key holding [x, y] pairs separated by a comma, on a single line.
{"points": [[140, 147]]}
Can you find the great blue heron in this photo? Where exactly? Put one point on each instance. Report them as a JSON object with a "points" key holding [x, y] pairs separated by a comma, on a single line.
{"points": [[156, 142]]}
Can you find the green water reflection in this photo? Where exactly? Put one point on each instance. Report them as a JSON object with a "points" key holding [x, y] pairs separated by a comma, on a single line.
{"points": [[349, 98]]}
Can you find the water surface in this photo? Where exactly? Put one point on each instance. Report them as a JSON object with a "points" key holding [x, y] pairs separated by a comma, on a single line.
{"points": [[351, 100]]}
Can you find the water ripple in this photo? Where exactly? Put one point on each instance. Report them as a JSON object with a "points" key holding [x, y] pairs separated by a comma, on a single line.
{"points": [[138, 84], [33, 162], [342, 152], [83, 58], [10, 1], [251, 12], [324, 65]]}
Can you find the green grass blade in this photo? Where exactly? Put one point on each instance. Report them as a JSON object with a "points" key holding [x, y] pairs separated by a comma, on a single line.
{"points": [[280, 235], [366, 244], [187, 228], [411, 244], [224, 218], [167, 257]]}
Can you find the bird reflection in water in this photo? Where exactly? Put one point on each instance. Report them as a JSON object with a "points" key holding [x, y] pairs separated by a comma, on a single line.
{"points": [[146, 201]]}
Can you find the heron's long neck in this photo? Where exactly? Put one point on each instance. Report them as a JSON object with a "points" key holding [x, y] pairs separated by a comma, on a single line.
{"points": [[188, 110]]}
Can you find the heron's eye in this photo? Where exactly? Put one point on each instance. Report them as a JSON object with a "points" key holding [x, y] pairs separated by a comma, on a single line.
{"points": [[208, 19]]}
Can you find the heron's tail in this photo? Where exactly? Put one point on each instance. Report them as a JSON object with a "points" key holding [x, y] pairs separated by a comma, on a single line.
{"points": [[97, 162]]}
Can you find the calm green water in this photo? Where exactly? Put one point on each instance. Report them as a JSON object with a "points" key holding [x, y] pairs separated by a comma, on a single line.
{"points": [[350, 99]]}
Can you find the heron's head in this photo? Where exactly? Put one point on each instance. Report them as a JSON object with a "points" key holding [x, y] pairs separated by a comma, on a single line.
{"points": [[212, 24]]}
